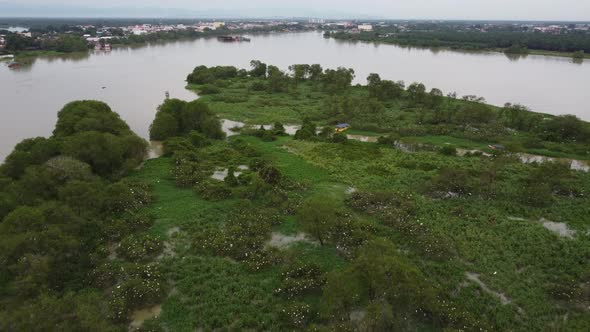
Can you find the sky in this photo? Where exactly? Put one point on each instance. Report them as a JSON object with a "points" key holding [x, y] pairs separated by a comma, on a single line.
{"points": [[558, 10]]}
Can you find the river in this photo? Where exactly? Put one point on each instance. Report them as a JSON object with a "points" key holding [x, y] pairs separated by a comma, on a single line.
{"points": [[133, 81]]}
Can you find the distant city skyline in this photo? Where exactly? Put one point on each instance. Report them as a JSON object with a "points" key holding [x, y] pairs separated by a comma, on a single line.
{"points": [[563, 10]]}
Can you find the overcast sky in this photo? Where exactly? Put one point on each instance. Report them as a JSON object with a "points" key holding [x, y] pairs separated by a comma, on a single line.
{"points": [[575, 10]]}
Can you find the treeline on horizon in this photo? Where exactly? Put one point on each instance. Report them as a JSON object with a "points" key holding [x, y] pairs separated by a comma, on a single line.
{"points": [[471, 40], [68, 38]]}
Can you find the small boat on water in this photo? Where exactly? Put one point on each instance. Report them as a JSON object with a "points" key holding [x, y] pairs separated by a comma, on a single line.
{"points": [[231, 39], [13, 65]]}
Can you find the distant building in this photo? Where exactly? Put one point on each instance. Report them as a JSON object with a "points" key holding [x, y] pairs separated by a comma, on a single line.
{"points": [[139, 31], [316, 21], [365, 28], [217, 25]]}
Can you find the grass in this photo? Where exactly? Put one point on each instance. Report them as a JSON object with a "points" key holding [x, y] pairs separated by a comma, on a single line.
{"points": [[175, 207], [487, 229], [445, 140], [216, 292], [239, 103], [485, 239], [518, 258]]}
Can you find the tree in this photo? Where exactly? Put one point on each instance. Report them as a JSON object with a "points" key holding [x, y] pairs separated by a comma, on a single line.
{"points": [[106, 153], [69, 169], [206, 75], [198, 140], [31, 151], [74, 311], [277, 80], [395, 289], [317, 217], [475, 114], [83, 197], [373, 80], [278, 129], [269, 174], [176, 118], [258, 68], [165, 125], [89, 115], [300, 72], [435, 97], [337, 81], [307, 131], [231, 179], [315, 72], [519, 117], [566, 128], [417, 93]]}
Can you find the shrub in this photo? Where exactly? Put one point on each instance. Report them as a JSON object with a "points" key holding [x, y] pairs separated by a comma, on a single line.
{"points": [[258, 86], [198, 140], [278, 129], [448, 150], [339, 138], [300, 278], [209, 89], [213, 191], [231, 180], [270, 174], [297, 314], [127, 196], [176, 145], [450, 182], [204, 75], [141, 285], [140, 247]]}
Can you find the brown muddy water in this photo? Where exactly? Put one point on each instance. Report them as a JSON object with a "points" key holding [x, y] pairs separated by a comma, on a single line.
{"points": [[133, 81]]}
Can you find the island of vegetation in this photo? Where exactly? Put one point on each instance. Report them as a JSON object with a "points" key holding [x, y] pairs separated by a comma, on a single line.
{"points": [[277, 221], [512, 39]]}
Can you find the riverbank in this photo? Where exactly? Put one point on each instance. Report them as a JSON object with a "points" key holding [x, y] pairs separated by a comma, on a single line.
{"points": [[424, 45], [29, 57]]}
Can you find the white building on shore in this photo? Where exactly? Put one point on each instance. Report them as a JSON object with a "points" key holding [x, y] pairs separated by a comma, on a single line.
{"points": [[365, 27]]}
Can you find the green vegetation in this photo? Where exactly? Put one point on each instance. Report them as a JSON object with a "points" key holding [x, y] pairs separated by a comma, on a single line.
{"points": [[315, 231], [455, 38], [64, 202], [176, 117], [386, 108], [579, 55], [63, 43]]}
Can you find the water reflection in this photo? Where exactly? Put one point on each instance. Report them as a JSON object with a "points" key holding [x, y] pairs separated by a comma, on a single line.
{"points": [[578, 61], [515, 56]]}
